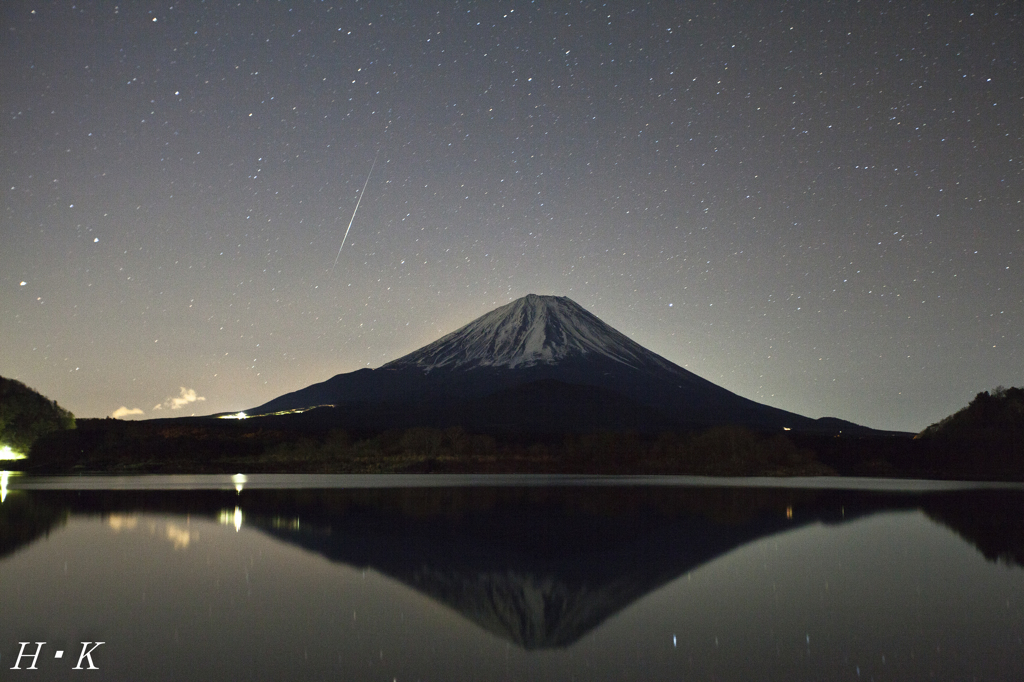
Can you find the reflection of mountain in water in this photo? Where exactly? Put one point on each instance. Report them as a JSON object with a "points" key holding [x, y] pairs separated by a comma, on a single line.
{"points": [[991, 520], [24, 519], [538, 566], [540, 569]]}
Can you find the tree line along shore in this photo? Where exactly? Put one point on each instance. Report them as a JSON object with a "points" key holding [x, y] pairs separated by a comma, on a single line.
{"points": [[983, 441]]}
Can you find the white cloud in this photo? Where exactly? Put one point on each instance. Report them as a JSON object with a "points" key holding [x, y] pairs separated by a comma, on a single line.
{"points": [[126, 412], [188, 395]]}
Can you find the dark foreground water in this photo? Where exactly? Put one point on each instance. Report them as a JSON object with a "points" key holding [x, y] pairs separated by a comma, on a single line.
{"points": [[509, 578]]}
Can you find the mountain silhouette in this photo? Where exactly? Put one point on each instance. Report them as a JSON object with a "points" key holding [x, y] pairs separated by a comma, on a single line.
{"points": [[540, 363]]}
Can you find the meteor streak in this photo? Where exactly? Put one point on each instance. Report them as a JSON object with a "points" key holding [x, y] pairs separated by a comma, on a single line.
{"points": [[352, 220]]}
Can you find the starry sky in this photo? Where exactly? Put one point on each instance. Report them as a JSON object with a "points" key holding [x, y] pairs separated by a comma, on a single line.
{"points": [[817, 205]]}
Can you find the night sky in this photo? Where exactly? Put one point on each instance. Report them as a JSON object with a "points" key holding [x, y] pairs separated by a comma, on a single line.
{"points": [[817, 205]]}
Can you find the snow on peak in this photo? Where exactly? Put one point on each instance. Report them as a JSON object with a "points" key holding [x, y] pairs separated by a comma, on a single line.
{"points": [[529, 331]]}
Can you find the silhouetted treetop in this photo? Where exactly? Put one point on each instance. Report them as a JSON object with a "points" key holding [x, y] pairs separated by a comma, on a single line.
{"points": [[995, 415], [25, 415]]}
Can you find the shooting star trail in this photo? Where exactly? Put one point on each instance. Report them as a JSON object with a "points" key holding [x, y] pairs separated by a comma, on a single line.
{"points": [[353, 219]]}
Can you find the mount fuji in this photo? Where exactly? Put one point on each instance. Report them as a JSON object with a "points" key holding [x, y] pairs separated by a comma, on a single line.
{"points": [[538, 364]]}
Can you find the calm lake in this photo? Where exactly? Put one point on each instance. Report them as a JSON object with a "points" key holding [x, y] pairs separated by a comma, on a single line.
{"points": [[509, 578]]}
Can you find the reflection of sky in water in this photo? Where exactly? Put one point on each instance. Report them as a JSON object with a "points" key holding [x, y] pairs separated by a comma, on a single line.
{"points": [[180, 535], [891, 596]]}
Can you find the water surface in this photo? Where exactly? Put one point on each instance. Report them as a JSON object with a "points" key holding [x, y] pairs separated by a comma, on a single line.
{"points": [[512, 578]]}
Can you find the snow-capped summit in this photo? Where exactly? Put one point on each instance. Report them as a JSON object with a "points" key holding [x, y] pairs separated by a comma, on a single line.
{"points": [[529, 331], [542, 363]]}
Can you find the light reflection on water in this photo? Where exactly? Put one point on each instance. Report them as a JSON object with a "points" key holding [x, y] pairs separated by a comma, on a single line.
{"points": [[514, 583], [231, 518]]}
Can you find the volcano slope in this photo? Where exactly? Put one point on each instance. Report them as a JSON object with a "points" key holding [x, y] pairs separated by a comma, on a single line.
{"points": [[538, 364]]}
